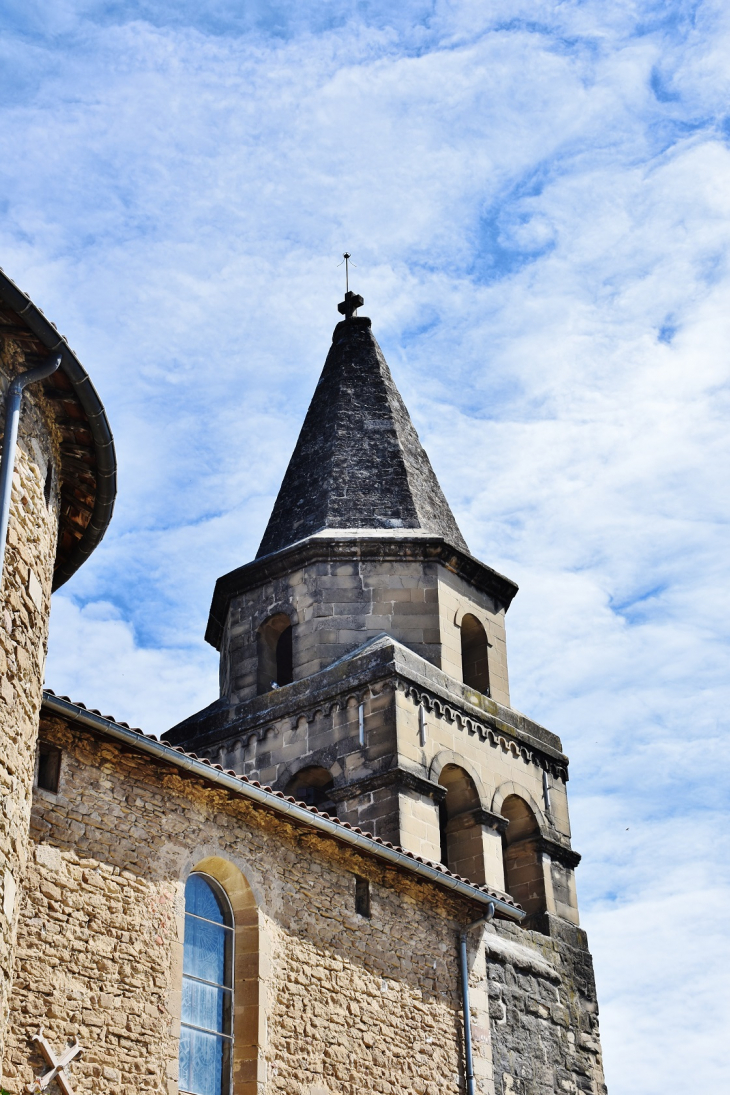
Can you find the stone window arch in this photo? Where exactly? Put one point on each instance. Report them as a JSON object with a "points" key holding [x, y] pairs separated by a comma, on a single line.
{"points": [[462, 850], [474, 654], [206, 1019], [524, 878], [275, 653], [312, 785], [249, 1013]]}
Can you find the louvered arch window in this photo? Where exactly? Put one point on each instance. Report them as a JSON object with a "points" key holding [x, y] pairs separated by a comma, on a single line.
{"points": [[206, 1027]]}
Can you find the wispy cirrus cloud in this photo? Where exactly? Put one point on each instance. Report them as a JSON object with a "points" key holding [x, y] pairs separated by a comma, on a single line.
{"points": [[537, 199]]}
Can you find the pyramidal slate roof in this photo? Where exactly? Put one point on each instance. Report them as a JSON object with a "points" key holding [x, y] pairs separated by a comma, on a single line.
{"points": [[358, 462]]}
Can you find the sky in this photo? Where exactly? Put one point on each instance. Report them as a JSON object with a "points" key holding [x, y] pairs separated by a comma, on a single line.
{"points": [[537, 200]]}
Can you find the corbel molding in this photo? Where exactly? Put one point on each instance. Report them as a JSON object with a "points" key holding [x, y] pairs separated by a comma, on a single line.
{"points": [[558, 852], [478, 816]]}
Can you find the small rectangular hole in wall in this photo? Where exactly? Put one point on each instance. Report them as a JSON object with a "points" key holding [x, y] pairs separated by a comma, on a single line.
{"points": [[49, 766], [362, 897]]}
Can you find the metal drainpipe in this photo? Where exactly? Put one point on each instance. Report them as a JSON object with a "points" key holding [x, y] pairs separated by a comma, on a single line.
{"points": [[12, 417], [468, 1055]]}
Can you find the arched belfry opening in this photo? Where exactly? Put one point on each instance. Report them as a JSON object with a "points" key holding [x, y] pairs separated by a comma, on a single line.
{"points": [[312, 785], [474, 654], [523, 874], [275, 653], [462, 850]]}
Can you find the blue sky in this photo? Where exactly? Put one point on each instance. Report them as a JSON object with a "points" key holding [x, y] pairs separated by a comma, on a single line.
{"points": [[537, 199]]}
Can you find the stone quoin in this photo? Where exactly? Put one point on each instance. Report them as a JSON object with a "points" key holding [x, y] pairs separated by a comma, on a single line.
{"points": [[271, 899]]}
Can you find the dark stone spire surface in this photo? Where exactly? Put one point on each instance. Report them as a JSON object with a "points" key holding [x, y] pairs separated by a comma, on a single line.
{"points": [[358, 462]]}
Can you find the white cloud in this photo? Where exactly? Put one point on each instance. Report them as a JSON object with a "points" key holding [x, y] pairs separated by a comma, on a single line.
{"points": [[96, 659], [537, 199]]}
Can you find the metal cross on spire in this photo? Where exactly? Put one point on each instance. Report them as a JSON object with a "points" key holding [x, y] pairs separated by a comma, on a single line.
{"points": [[352, 301]]}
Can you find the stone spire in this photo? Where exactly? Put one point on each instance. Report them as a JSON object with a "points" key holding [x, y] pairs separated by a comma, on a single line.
{"points": [[358, 462]]}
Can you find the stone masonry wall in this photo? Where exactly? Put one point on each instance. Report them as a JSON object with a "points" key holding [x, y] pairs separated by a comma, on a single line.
{"points": [[544, 1014], [352, 1003], [24, 612], [337, 606]]}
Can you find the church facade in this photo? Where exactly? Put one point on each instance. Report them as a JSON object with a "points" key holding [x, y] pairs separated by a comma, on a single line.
{"points": [[353, 871]]}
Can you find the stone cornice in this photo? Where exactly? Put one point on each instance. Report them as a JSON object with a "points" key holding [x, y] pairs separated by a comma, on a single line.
{"points": [[382, 663], [331, 548], [491, 820]]}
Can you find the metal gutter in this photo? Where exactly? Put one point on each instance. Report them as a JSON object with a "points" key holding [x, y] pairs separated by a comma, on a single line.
{"points": [[106, 461], [368, 845]]}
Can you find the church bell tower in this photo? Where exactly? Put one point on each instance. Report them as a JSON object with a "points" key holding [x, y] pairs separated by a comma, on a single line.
{"points": [[363, 658]]}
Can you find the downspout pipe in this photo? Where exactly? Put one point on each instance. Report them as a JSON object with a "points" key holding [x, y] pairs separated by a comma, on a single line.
{"points": [[468, 1052], [13, 400]]}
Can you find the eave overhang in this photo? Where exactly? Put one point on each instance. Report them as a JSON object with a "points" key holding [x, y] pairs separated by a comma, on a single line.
{"points": [[88, 470]]}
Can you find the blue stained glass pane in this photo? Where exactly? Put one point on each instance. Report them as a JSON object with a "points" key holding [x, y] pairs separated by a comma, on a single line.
{"points": [[204, 1063], [206, 1006], [184, 1056], [205, 950], [202, 900], [205, 1058]]}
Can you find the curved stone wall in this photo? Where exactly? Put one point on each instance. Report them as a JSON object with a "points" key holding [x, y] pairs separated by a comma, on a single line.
{"points": [[24, 615]]}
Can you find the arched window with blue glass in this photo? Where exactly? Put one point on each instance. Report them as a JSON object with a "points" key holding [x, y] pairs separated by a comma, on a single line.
{"points": [[206, 1028]]}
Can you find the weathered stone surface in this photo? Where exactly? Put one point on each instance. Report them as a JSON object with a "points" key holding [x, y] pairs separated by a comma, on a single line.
{"points": [[26, 594], [336, 604], [338, 1003], [406, 556], [382, 708], [56, 484], [544, 1011], [358, 462], [350, 1003]]}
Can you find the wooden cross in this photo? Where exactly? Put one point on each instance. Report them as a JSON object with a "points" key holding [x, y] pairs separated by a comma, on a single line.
{"points": [[56, 1071], [350, 304]]}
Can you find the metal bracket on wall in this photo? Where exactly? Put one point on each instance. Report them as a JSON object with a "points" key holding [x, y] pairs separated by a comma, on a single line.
{"points": [[58, 1066]]}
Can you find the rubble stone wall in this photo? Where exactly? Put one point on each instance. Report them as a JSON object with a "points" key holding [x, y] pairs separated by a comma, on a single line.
{"points": [[543, 1009], [24, 613], [336, 1003], [350, 1003]]}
